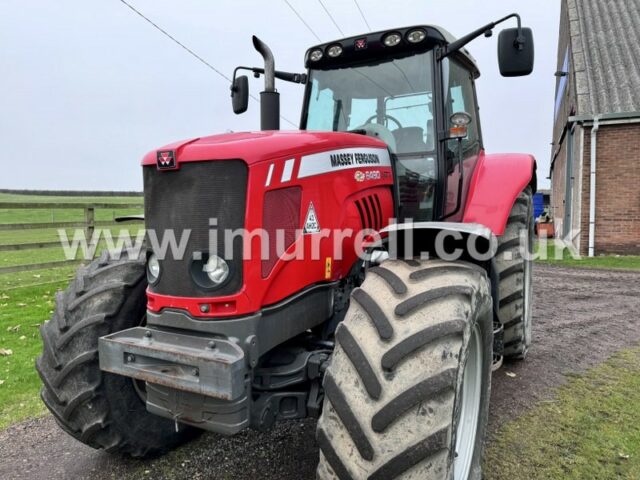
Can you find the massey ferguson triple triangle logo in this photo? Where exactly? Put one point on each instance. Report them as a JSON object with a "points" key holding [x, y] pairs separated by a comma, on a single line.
{"points": [[166, 160], [361, 43]]}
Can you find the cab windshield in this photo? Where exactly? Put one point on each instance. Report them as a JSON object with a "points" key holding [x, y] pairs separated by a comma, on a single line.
{"points": [[391, 100]]}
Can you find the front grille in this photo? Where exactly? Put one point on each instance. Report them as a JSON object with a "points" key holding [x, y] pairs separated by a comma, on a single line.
{"points": [[187, 199]]}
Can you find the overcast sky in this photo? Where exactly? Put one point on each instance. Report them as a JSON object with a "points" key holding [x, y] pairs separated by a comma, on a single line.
{"points": [[88, 87]]}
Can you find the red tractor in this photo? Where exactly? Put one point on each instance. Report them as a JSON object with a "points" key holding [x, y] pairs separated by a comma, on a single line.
{"points": [[369, 270]]}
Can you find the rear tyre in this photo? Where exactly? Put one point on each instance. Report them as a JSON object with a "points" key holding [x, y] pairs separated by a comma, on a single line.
{"points": [[514, 272], [102, 410], [396, 405]]}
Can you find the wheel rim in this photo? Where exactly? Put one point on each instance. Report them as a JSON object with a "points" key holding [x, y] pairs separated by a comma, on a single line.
{"points": [[526, 311], [469, 409]]}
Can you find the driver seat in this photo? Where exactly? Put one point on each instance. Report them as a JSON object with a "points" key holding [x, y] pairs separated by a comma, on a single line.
{"points": [[410, 140]]}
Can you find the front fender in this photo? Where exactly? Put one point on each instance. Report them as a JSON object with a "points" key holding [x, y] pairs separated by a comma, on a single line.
{"points": [[495, 185]]}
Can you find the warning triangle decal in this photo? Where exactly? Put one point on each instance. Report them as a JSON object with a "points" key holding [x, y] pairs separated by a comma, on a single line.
{"points": [[311, 224]]}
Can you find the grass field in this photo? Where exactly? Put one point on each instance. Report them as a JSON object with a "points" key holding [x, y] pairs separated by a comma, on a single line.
{"points": [[604, 261], [17, 216], [27, 298], [590, 430], [22, 311]]}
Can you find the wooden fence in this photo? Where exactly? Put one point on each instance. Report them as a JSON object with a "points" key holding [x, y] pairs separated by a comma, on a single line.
{"points": [[89, 224]]}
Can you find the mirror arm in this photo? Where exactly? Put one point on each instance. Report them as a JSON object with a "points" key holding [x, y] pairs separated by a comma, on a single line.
{"points": [[286, 76], [486, 30]]}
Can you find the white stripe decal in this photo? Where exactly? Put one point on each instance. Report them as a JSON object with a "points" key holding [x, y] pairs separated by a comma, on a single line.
{"points": [[268, 182], [287, 171], [343, 159]]}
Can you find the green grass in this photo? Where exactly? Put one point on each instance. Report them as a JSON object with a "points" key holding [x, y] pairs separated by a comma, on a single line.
{"points": [[18, 198], [24, 257], [565, 259], [45, 215], [42, 215], [590, 430], [27, 298], [13, 281], [22, 311]]}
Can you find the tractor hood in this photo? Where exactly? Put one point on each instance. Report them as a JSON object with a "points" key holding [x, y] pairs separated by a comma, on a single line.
{"points": [[254, 147]]}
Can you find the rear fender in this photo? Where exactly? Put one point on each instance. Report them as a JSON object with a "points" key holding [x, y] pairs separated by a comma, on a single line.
{"points": [[496, 183]]}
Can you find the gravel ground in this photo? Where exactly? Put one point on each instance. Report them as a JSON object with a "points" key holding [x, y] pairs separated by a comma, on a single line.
{"points": [[581, 317]]}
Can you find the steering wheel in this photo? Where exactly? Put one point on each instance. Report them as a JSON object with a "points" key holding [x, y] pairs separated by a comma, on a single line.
{"points": [[386, 117]]}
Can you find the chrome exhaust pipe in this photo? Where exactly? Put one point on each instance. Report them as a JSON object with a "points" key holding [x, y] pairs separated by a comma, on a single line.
{"points": [[269, 98]]}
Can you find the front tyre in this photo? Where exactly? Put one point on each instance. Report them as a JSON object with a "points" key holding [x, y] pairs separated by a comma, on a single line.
{"points": [[407, 390], [102, 410]]}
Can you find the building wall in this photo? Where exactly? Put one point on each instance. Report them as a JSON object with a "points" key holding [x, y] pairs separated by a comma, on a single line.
{"points": [[565, 95], [617, 190], [577, 204], [565, 106], [618, 176], [558, 187]]}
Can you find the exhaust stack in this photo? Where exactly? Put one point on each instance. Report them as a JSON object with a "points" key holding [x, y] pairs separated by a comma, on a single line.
{"points": [[269, 98]]}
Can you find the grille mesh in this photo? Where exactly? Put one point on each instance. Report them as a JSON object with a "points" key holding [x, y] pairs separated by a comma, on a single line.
{"points": [[281, 213], [186, 199]]}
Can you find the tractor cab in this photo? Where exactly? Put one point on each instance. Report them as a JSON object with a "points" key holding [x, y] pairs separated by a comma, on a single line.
{"points": [[395, 86], [412, 88]]}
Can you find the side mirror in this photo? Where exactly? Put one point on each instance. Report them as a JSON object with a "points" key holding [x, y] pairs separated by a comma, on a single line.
{"points": [[515, 52], [240, 94]]}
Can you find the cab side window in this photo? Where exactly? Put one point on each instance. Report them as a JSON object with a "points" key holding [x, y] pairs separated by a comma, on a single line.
{"points": [[459, 97]]}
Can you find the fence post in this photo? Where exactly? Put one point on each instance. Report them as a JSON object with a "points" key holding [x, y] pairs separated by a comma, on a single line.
{"points": [[90, 218]]}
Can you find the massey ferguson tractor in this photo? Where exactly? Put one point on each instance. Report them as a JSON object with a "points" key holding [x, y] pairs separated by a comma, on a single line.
{"points": [[369, 270]]}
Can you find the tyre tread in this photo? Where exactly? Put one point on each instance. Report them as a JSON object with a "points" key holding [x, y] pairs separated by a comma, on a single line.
{"points": [[73, 384]]}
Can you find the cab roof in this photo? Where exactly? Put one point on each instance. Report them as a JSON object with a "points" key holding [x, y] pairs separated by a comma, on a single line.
{"points": [[370, 47]]}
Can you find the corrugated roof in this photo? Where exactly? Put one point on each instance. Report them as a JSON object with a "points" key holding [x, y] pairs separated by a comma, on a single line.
{"points": [[605, 44]]}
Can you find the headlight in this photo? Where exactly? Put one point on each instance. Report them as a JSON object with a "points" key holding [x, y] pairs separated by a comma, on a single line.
{"points": [[392, 39], [315, 55], [416, 36], [216, 269], [334, 51], [153, 269]]}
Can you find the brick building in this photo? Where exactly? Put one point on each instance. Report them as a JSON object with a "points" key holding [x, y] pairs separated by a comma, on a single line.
{"points": [[595, 164]]}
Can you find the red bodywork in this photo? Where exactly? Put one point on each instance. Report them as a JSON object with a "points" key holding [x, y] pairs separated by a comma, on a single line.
{"points": [[333, 195], [274, 160]]}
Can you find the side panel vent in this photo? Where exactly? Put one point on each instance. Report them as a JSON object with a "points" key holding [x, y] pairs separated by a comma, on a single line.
{"points": [[370, 211]]}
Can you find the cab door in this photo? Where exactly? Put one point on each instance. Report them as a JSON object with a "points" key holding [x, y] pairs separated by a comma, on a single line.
{"points": [[459, 96]]}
